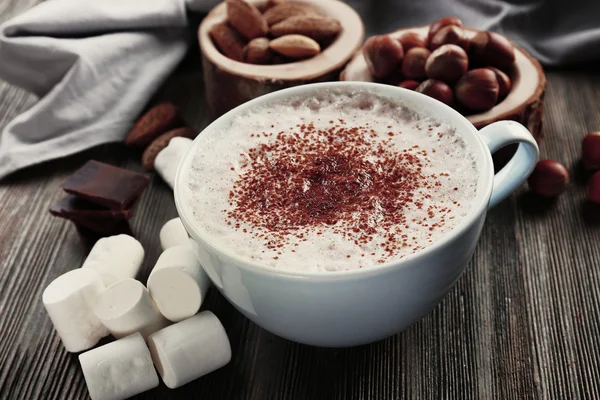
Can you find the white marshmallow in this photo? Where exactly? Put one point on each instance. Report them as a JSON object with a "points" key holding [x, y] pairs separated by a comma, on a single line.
{"points": [[178, 283], [115, 258], [126, 307], [190, 349], [173, 234], [119, 370], [68, 300], [168, 159]]}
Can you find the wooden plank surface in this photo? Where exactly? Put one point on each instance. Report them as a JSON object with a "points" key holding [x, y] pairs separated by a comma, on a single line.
{"points": [[522, 323]]}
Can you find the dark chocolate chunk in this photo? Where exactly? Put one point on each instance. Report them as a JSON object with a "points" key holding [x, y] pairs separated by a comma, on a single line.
{"points": [[90, 216], [71, 207], [106, 185]]}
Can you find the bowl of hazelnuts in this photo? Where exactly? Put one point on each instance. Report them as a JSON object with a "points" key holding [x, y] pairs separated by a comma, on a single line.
{"points": [[254, 47], [481, 74]]}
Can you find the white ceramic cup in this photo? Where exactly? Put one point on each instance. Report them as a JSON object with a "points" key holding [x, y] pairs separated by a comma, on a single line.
{"points": [[347, 308]]}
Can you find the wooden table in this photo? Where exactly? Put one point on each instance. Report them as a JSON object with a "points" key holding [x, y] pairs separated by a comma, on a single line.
{"points": [[522, 322]]}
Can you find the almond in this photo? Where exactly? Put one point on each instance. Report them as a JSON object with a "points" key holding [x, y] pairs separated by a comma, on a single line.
{"points": [[150, 125], [314, 27], [258, 51], [284, 11], [160, 143], [295, 46], [246, 19], [228, 41]]}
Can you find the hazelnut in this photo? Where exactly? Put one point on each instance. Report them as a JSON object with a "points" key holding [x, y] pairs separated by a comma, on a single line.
{"points": [[439, 24], [448, 63], [549, 178], [490, 49], [412, 39], [413, 66], [504, 83], [383, 55], [438, 90], [450, 35], [477, 90], [593, 188], [409, 84], [590, 148]]}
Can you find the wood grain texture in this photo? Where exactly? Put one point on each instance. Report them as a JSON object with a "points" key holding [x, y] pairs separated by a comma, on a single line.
{"points": [[522, 323]]}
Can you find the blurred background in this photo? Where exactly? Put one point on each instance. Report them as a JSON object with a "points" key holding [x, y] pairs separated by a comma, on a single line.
{"points": [[558, 33]]}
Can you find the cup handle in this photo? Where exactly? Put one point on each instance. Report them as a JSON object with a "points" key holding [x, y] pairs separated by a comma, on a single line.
{"points": [[501, 134]]}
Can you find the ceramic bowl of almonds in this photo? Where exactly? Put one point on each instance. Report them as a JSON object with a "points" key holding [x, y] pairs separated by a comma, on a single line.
{"points": [[481, 74], [254, 47]]}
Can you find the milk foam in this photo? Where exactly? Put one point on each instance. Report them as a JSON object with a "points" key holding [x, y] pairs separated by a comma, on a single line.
{"points": [[221, 160]]}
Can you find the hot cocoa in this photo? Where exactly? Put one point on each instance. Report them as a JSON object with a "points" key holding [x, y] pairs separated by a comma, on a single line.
{"points": [[340, 181]]}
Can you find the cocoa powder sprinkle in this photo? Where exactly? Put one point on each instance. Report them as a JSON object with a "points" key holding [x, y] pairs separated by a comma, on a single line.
{"points": [[309, 178]]}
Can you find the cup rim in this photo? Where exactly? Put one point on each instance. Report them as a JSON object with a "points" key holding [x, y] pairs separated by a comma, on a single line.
{"points": [[436, 108]]}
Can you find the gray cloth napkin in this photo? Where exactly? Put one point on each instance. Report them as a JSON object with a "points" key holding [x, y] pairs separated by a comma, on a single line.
{"points": [[94, 65]]}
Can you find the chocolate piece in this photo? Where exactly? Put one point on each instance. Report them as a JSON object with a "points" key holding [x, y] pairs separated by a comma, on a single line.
{"points": [[91, 216], [71, 207], [106, 185]]}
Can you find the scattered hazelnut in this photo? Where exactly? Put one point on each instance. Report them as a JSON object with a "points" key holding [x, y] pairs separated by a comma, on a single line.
{"points": [[550, 178], [477, 90], [413, 66], [450, 35], [448, 63], [504, 83], [439, 24], [409, 84], [412, 39], [590, 149], [383, 55], [489, 49], [593, 188], [438, 90]]}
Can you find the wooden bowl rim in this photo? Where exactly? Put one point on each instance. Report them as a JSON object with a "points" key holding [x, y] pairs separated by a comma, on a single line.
{"points": [[478, 119], [335, 56]]}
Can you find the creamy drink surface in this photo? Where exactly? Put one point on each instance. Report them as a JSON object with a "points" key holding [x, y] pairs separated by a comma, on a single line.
{"points": [[341, 181]]}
